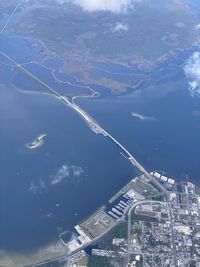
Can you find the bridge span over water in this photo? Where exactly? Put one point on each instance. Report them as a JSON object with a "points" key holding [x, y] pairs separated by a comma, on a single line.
{"points": [[99, 130], [94, 126]]}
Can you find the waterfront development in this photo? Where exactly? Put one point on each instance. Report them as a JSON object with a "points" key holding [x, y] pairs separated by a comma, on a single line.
{"points": [[83, 193], [95, 127], [140, 228], [115, 215], [154, 186]]}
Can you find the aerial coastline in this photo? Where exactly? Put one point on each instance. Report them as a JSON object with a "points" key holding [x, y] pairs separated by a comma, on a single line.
{"points": [[65, 71]]}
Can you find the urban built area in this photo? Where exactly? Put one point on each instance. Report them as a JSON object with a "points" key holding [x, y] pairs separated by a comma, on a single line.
{"points": [[141, 226]]}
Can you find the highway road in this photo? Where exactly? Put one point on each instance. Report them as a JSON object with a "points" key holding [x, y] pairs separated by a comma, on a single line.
{"points": [[173, 241], [94, 126], [98, 130], [129, 221], [10, 17], [138, 166], [118, 222]]}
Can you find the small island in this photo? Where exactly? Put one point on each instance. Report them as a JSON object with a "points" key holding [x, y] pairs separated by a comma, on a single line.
{"points": [[142, 117], [38, 142]]}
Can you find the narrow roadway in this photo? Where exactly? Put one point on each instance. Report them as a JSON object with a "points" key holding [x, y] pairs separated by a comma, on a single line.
{"points": [[10, 17], [94, 125], [129, 221]]}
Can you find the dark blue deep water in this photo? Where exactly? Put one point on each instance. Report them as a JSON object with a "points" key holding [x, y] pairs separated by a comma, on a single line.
{"points": [[34, 209]]}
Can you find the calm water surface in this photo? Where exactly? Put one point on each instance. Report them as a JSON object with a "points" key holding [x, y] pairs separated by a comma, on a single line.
{"points": [[48, 190]]}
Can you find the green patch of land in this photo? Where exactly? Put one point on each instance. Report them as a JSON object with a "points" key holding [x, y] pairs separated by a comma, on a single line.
{"points": [[140, 185], [119, 231], [97, 261], [84, 39]]}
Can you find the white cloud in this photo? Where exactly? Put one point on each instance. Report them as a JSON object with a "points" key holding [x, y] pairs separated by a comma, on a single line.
{"points": [[120, 27], [192, 71], [33, 188], [37, 188], [115, 6], [65, 172], [50, 215], [77, 171], [197, 27], [62, 173]]}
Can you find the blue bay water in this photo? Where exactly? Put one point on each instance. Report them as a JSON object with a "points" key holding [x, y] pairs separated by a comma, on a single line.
{"points": [[169, 141], [33, 210], [25, 220]]}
